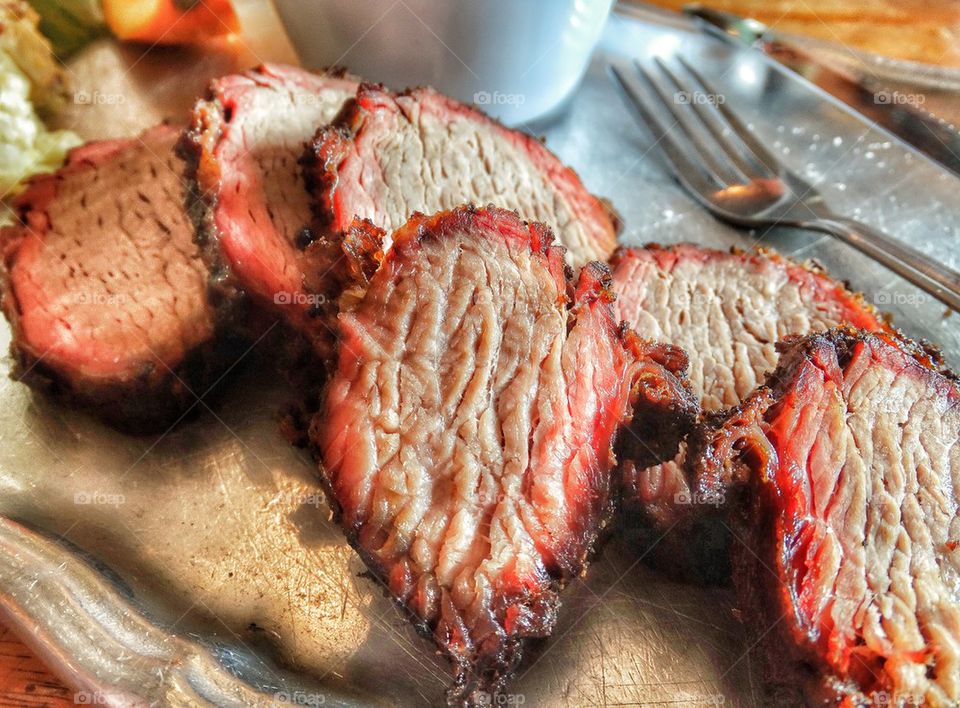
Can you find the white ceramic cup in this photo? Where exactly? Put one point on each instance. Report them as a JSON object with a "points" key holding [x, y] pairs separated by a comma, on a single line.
{"points": [[516, 59]]}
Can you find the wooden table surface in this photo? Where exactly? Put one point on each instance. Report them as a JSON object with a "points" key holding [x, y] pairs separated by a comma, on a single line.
{"points": [[25, 681]]}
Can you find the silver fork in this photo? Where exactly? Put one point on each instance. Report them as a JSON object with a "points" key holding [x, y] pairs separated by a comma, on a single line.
{"points": [[719, 161]]}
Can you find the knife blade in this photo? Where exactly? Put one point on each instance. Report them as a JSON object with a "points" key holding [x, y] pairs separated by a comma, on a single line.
{"points": [[899, 112]]}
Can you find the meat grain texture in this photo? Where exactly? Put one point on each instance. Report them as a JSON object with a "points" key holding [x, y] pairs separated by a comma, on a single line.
{"points": [[106, 291], [727, 310], [388, 156], [251, 206], [466, 436], [851, 455]]}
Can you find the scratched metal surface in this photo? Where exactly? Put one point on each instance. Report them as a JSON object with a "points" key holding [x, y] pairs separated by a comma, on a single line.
{"points": [[202, 566]]}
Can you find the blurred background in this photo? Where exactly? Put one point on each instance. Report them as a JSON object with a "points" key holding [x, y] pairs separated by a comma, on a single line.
{"points": [[105, 68], [913, 30]]}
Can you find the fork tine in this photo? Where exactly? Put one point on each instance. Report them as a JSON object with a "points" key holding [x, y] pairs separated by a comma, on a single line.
{"points": [[720, 169], [763, 157], [688, 172], [743, 161]]}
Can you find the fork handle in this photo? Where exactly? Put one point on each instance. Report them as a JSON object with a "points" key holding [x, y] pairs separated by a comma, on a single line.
{"points": [[940, 281]]}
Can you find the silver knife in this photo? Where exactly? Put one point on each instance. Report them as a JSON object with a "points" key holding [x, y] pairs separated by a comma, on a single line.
{"points": [[849, 82]]}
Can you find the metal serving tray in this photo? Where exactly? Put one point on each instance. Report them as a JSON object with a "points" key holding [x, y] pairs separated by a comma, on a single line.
{"points": [[201, 566]]}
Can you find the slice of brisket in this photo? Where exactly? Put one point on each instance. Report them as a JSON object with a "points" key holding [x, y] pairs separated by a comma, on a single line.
{"points": [[850, 561], [466, 435], [105, 290], [251, 205], [727, 310], [388, 156]]}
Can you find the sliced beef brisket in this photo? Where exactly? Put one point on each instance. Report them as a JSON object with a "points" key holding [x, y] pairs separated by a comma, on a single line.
{"points": [[388, 156], [850, 557], [251, 205], [466, 436], [727, 310], [106, 291]]}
